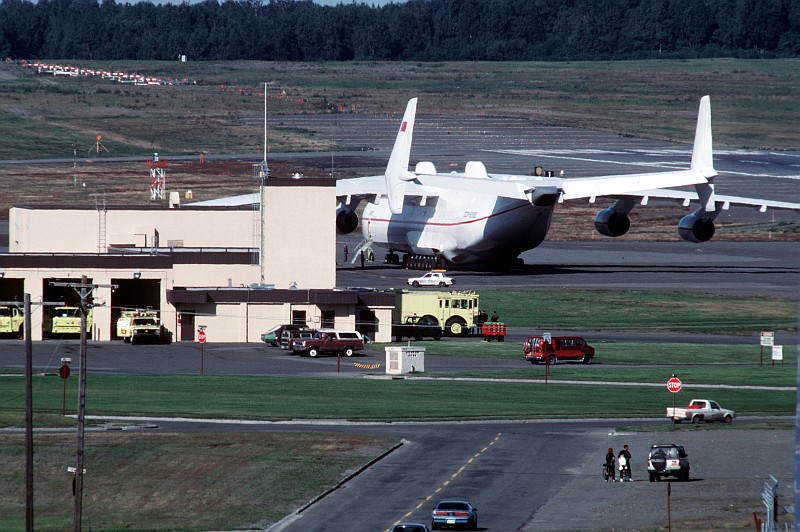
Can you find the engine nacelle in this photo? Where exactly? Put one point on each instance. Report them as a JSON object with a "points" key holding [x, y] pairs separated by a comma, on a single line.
{"points": [[695, 228], [346, 221], [609, 222]]}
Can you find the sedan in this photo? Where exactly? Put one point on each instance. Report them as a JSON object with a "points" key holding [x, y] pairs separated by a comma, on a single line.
{"points": [[454, 513], [410, 527], [432, 278]]}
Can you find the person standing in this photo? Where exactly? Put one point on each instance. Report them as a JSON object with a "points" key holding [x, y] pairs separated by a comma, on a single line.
{"points": [[623, 466], [611, 470], [362, 259], [627, 454], [345, 251], [495, 317]]}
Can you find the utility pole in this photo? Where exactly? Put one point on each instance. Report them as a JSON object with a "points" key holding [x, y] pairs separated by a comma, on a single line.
{"points": [[84, 290], [28, 417]]}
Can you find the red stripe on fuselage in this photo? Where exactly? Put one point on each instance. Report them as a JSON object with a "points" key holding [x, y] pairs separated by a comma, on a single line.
{"points": [[448, 224]]}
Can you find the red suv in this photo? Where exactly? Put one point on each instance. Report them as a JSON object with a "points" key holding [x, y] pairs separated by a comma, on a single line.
{"points": [[537, 349]]}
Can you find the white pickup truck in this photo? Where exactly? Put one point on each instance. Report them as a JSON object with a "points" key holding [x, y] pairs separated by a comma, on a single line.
{"points": [[701, 410]]}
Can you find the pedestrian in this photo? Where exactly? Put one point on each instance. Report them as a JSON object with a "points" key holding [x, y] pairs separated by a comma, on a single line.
{"points": [[362, 259], [610, 471], [495, 317], [345, 251], [627, 454], [623, 466]]}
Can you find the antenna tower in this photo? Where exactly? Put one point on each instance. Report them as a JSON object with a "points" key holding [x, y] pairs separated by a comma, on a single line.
{"points": [[158, 180], [98, 145]]}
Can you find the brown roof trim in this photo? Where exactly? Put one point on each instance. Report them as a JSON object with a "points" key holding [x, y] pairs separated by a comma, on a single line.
{"points": [[257, 295], [303, 182], [144, 207]]}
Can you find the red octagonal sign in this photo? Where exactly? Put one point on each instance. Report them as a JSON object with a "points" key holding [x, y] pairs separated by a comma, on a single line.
{"points": [[674, 385], [201, 337]]}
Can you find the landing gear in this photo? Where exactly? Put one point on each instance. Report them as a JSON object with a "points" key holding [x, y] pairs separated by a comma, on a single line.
{"points": [[423, 262], [391, 258]]}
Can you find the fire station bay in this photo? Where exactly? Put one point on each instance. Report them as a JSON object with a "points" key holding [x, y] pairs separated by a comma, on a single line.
{"points": [[198, 266]]}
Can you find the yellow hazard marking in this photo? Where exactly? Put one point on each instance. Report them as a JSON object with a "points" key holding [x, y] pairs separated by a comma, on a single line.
{"points": [[366, 366]]}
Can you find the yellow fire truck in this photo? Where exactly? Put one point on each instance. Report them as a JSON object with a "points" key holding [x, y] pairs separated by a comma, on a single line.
{"points": [[67, 320], [12, 321], [126, 321], [454, 311]]}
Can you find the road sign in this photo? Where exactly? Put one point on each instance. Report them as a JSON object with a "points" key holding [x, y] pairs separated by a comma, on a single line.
{"points": [[201, 337], [767, 339], [63, 371], [674, 385]]}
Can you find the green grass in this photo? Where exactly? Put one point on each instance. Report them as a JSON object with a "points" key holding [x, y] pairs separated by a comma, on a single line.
{"points": [[642, 311], [144, 480], [283, 398]]}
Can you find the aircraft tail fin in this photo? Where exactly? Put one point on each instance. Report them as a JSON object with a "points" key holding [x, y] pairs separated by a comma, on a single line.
{"points": [[702, 156], [397, 170]]}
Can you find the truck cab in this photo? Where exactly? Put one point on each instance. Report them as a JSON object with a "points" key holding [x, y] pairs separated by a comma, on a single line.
{"points": [[12, 321]]}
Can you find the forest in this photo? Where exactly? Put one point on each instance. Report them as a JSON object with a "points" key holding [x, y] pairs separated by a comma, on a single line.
{"points": [[417, 30]]}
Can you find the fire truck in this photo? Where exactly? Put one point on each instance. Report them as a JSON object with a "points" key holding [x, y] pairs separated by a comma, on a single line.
{"points": [[12, 321], [67, 320], [455, 311], [127, 317]]}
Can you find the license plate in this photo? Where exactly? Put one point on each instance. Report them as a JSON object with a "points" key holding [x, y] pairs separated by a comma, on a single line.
{"points": [[451, 521]]}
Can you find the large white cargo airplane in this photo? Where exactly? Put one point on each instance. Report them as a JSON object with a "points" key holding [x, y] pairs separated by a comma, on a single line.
{"points": [[477, 217]]}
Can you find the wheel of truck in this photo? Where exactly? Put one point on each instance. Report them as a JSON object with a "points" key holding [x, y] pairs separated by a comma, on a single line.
{"points": [[728, 419], [587, 359], [685, 475], [348, 351], [697, 418], [551, 359], [313, 352], [415, 284], [21, 332], [456, 326], [132, 340], [442, 283], [652, 476], [126, 339]]}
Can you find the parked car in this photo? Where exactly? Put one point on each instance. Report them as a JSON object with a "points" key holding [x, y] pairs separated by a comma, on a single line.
{"points": [[417, 327], [667, 460], [273, 336], [410, 527], [537, 349], [454, 513], [432, 278], [288, 337], [329, 341], [701, 410]]}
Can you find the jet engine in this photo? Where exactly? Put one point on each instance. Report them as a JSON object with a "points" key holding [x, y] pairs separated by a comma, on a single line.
{"points": [[610, 222], [696, 228], [346, 221]]}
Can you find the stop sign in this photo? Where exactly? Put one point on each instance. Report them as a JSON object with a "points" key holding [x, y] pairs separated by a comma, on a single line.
{"points": [[201, 337], [63, 371], [674, 385]]}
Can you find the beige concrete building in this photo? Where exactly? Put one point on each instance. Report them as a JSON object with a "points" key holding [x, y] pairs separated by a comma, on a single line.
{"points": [[196, 265]]}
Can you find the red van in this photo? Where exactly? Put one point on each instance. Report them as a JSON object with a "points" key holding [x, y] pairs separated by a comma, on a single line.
{"points": [[572, 348]]}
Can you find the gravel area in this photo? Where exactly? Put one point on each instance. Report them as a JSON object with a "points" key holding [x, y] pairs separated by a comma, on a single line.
{"points": [[729, 469]]}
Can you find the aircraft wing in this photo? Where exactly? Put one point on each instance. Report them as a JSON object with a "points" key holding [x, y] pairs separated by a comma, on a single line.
{"points": [[352, 191], [591, 187], [686, 198]]}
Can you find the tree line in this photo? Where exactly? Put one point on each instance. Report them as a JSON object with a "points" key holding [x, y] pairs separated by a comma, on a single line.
{"points": [[416, 30]]}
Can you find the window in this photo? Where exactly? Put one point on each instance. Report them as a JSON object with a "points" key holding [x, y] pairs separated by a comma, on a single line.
{"points": [[299, 317], [328, 319]]}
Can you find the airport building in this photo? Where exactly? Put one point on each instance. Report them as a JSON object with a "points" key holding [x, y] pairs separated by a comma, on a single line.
{"points": [[199, 266]]}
